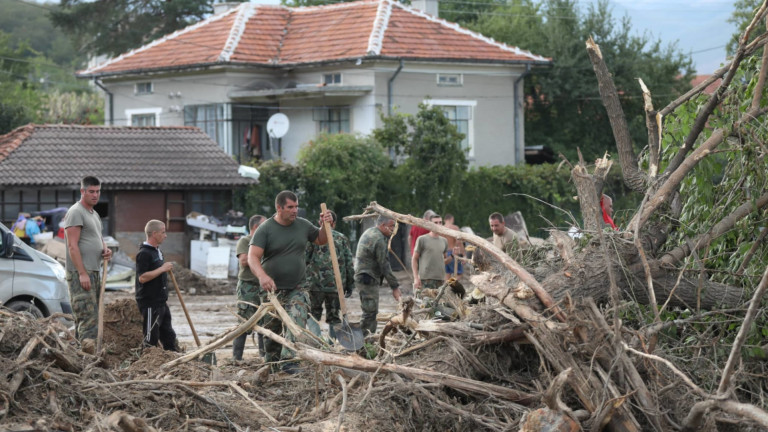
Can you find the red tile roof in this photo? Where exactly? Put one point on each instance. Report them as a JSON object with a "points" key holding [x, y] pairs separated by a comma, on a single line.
{"points": [[265, 35], [698, 79], [120, 156]]}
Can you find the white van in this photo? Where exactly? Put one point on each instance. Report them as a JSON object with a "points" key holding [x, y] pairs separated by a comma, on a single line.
{"points": [[30, 280]]}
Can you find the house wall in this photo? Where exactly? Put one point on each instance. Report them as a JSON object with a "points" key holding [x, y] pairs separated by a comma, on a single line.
{"points": [[489, 88]]}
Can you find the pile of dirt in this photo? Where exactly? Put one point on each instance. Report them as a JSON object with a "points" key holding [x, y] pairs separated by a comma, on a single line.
{"points": [[191, 283], [122, 332]]}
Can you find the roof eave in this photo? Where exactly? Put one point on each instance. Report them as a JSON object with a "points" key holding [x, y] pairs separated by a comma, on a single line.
{"points": [[278, 66]]}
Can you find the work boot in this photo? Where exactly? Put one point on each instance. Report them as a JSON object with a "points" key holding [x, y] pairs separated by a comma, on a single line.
{"points": [[262, 352], [238, 346]]}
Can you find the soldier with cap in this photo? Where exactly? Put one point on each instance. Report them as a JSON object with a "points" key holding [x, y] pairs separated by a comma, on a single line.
{"points": [[372, 267]]}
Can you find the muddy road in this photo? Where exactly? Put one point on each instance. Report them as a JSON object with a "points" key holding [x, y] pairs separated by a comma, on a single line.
{"points": [[212, 315]]}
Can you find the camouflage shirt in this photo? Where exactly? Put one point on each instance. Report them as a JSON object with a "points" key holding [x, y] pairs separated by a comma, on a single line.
{"points": [[372, 257], [320, 269]]}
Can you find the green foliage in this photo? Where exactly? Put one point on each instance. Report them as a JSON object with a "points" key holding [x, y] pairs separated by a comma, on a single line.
{"points": [[73, 108], [543, 194], [743, 11], [275, 176], [27, 22], [19, 100], [721, 182], [435, 165], [341, 170], [565, 111], [114, 27]]}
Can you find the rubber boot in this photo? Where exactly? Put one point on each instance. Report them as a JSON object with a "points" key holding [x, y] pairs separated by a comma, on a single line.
{"points": [[262, 350], [238, 346]]}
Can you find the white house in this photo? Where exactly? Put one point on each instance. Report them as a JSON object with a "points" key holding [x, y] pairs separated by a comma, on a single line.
{"points": [[328, 68]]}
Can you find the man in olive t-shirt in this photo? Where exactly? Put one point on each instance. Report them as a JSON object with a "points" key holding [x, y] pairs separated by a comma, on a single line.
{"points": [[85, 250], [276, 258]]}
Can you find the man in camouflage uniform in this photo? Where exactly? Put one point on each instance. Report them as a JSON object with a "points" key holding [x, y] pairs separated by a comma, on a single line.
{"points": [[276, 258], [321, 282], [84, 254], [372, 268], [248, 291]]}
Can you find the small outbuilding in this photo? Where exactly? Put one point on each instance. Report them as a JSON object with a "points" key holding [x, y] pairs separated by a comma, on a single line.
{"points": [[146, 173]]}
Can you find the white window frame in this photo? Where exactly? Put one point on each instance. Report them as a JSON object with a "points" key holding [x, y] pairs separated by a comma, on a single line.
{"points": [[472, 104], [325, 111], [129, 113], [139, 93], [459, 83], [332, 74]]}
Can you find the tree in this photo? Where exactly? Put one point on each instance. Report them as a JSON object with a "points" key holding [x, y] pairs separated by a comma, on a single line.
{"points": [[114, 27], [19, 99], [435, 163], [564, 110], [342, 170], [743, 12]]}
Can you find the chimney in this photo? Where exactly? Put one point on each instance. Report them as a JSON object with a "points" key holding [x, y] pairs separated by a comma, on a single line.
{"points": [[222, 7], [429, 7]]}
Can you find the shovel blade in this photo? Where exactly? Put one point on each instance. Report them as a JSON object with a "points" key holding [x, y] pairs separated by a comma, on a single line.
{"points": [[349, 335]]}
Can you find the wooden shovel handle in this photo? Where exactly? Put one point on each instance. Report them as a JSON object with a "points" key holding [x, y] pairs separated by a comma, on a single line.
{"points": [[100, 328], [184, 307], [335, 262]]}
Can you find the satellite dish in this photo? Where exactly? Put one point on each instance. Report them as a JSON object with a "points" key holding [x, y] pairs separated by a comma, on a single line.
{"points": [[277, 125]]}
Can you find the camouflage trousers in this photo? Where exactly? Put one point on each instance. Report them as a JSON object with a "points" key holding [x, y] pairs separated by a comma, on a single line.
{"points": [[369, 303], [250, 293], [296, 303], [331, 302], [85, 304]]}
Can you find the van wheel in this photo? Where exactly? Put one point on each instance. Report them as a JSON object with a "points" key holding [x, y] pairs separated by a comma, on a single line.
{"points": [[25, 306]]}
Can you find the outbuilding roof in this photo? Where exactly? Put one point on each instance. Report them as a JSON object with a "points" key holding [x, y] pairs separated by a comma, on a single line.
{"points": [[279, 36], [120, 156]]}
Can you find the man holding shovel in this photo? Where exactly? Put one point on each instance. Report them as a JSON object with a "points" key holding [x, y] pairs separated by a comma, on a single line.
{"points": [[321, 282], [151, 289], [276, 257], [372, 267], [85, 250]]}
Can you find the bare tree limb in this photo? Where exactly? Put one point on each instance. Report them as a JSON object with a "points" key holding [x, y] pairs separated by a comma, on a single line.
{"points": [[654, 126], [634, 178], [487, 246], [693, 423], [676, 255], [714, 100], [746, 326]]}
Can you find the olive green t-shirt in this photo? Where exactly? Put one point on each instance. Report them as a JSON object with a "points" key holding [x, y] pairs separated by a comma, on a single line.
{"points": [[91, 243], [284, 247], [244, 274]]}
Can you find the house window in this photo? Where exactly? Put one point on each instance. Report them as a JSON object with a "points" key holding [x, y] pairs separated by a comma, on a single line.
{"points": [[143, 120], [332, 120], [143, 116], [450, 80], [459, 112], [333, 78], [215, 120], [143, 88]]}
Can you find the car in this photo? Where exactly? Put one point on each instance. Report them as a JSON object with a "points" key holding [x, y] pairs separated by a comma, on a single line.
{"points": [[30, 281]]}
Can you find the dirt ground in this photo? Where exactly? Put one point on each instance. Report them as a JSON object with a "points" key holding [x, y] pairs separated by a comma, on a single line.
{"points": [[212, 309]]}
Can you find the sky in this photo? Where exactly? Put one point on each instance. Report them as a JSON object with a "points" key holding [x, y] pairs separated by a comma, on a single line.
{"points": [[700, 27]]}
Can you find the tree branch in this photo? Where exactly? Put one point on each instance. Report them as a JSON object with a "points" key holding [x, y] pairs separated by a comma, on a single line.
{"points": [[633, 177], [679, 253], [487, 246]]}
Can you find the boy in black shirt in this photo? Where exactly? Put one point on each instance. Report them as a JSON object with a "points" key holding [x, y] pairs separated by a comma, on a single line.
{"points": [[151, 289]]}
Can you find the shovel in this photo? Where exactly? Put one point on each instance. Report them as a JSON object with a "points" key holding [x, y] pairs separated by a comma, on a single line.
{"points": [[348, 334], [210, 357], [100, 328]]}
